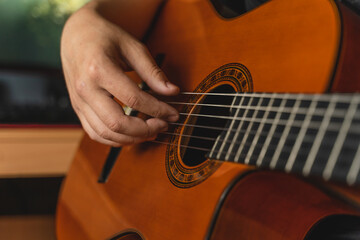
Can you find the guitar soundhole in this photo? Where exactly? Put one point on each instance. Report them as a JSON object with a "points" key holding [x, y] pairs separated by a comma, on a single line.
{"points": [[231, 9], [203, 119], [205, 123], [127, 236]]}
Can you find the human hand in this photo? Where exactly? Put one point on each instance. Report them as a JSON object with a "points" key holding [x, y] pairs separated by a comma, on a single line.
{"points": [[95, 55]]}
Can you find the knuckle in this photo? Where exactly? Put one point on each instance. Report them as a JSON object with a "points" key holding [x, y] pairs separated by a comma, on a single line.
{"points": [[76, 108], [104, 133], [74, 104], [133, 101], [114, 125], [156, 72], [157, 110], [80, 88], [93, 70], [114, 144], [139, 46], [93, 136], [130, 141], [157, 113]]}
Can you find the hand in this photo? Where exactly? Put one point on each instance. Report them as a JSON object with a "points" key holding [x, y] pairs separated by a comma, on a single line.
{"points": [[95, 54]]}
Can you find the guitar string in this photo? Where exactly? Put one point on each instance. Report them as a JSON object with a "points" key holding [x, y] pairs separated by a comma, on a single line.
{"points": [[330, 129], [285, 149], [199, 126], [264, 133], [322, 98], [186, 146], [334, 128], [209, 138], [342, 97], [180, 145], [244, 155], [282, 122], [314, 127], [300, 110]]}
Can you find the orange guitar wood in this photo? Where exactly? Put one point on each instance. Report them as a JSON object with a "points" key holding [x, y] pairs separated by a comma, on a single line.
{"points": [[288, 46]]}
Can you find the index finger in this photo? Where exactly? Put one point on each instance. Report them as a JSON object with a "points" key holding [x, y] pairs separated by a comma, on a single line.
{"points": [[123, 88]]}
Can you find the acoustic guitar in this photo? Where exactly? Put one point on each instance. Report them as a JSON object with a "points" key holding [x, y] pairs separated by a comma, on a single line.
{"points": [[267, 146]]}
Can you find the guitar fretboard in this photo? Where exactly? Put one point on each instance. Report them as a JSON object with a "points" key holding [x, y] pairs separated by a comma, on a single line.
{"points": [[309, 134]]}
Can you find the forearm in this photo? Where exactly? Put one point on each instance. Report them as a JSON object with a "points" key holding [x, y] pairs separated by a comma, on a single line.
{"points": [[134, 16]]}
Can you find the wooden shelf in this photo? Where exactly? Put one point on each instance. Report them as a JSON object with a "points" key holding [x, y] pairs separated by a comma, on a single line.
{"points": [[27, 227], [37, 152]]}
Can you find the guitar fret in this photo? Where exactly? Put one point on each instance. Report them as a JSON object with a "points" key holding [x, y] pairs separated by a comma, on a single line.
{"points": [[230, 127], [309, 134], [320, 112], [334, 127], [285, 133], [246, 135], [354, 169], [345, 97], [301, 135], [319, 136], [237, 133], [215, 146], [271, 132], [340, 139], [233, 103], [256, 138]]}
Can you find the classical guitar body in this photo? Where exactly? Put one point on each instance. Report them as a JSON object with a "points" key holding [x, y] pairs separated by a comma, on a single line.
{"points": [[166, 191]]}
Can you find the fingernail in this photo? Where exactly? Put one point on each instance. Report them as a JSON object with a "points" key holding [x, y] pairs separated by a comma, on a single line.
{"points": [[170, 85], [173, 118], [163, 126]]}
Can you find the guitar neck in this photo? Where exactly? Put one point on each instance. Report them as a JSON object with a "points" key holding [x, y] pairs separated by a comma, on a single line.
{"points": [[309, 134]]}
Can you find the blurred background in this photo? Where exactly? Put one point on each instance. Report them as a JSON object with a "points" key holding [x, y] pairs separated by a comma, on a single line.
{"points": [[39, 131], [32, 89], [30, 30]]}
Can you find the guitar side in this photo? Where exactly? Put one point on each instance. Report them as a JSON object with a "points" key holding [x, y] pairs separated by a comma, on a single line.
{"points": [[274, 42]]}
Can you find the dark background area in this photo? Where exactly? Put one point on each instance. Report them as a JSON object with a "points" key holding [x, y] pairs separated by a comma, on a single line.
{"points": [[29, 196]]}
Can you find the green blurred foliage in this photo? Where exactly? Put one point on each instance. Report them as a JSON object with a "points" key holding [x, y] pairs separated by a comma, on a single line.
{"points": [[30, 30]]}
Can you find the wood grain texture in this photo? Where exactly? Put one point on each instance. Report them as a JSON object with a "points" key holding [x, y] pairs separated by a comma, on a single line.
{"points": [[37, 152]]}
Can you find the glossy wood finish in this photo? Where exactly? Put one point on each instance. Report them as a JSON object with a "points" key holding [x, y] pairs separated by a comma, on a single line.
{"points": [[347, 77], [295, 207], [288, 46], [348, 72], [130, 237], [274, 42]]}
